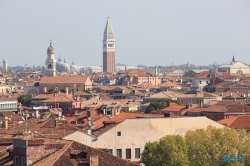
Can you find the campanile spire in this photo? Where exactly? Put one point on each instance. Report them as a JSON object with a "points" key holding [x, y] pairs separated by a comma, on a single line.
{"points": [[108, 48]]}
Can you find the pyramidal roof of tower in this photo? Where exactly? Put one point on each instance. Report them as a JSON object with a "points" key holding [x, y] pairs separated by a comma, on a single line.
{"points": [[108, 28]]}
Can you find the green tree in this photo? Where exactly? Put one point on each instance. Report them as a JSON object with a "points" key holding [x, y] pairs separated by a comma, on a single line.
{"points": [[161, 103], [169, 150], [210, 146], [25, 99]]}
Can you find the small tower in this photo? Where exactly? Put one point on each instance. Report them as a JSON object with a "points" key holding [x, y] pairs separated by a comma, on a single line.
{"points": [[156, 76], [5, 65], [188, 66], [50, 61], [108, 48], [233, 59], [156, 71]]}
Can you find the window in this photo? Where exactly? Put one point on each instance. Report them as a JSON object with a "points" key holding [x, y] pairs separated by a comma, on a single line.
{"points": [[137, 153], [239, 72], [119, 133], [16, 160], [23, 162], [119, 153], [200, 82], [110, 151], [128, 153]]}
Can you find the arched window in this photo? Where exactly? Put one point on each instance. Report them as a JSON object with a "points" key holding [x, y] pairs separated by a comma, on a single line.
{"points": [[49, 66], [239, 72]]}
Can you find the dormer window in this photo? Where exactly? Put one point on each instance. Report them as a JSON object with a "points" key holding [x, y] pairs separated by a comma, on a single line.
{"points": [[78, 155]]}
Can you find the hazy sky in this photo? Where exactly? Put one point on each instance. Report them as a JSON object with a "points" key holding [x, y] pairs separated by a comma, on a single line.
{"points": [[146, 32]]}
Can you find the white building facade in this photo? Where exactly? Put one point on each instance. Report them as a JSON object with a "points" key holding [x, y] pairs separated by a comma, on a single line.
{"points": [[8, 104], [199, 83], [128, 138]]}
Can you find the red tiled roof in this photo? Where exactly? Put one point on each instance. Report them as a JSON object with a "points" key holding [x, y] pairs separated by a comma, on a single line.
{"points": [[174, 107], [56, 97], [240, 121], [167, 84], [227, 108], [195, 109], [131, 115], [227, 121], [203, 75], [63, 156], [138, 73], [64, 79], [47, 128]]}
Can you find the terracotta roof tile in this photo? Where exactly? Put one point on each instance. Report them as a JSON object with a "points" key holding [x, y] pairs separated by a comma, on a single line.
{"points": [[203, 75], [195, 109], [131, 115], [227, 121], [59, 97], [63, 156], [241, 121], [64, 79], [174, 107], [138, 73]]}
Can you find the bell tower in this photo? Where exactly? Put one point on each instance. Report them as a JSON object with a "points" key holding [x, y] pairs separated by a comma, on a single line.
{"points": [[50, 61], [108, 48]]}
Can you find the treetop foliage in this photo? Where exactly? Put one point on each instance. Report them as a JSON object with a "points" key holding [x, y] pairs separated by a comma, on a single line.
{"points": [[161, 103], [25, 99], [202, 147]]}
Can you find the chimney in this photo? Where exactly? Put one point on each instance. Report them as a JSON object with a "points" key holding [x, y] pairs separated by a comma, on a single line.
{"points": [[67, 90], [45, 89], [6, 122], [59, 113], [93, 125], [94, 158], [89, 131], [37, 113], [231, 94]]}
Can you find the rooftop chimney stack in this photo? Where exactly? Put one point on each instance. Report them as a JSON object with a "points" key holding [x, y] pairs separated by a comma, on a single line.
{"points": [[37, 113], [67, 90]]}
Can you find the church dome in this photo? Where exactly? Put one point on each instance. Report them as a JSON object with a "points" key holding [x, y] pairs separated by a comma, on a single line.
{"points": [[73, 67], [63, 66], [59, 64], [50, 50]]}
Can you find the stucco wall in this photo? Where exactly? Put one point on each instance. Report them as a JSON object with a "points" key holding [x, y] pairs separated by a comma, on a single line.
{"points": [[135, 133]]}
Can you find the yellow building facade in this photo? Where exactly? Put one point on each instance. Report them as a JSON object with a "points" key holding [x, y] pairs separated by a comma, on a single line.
{"points": [[234, 67]]}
